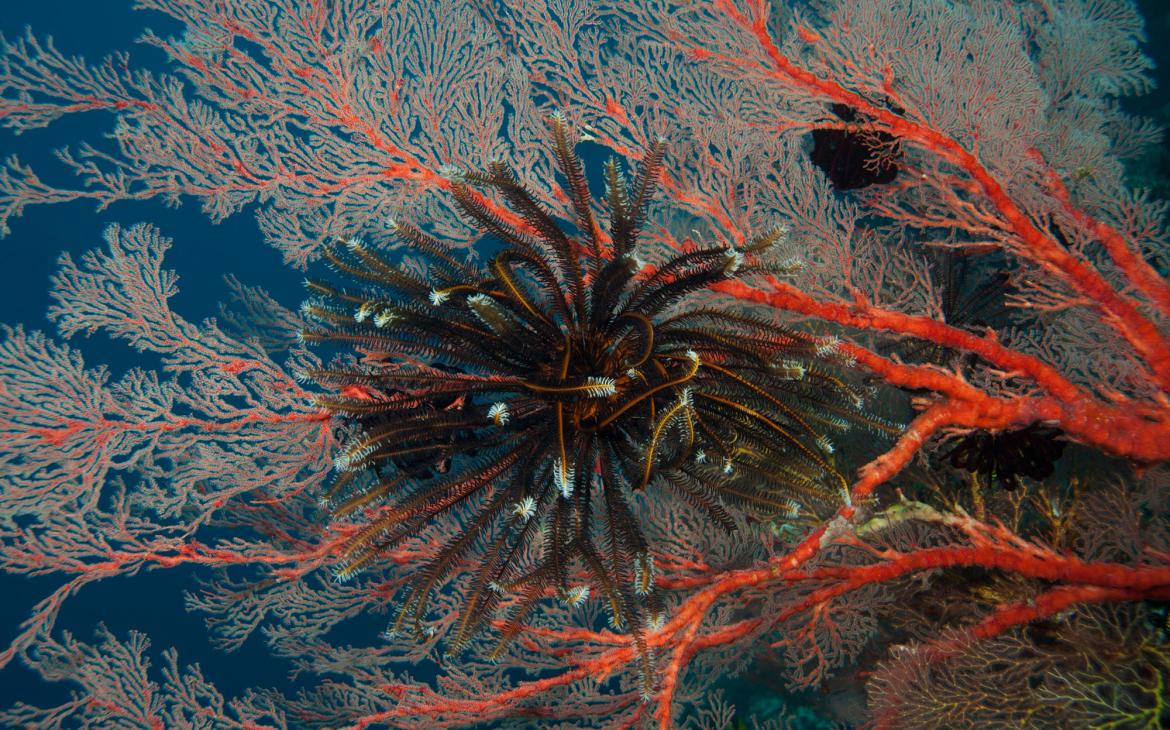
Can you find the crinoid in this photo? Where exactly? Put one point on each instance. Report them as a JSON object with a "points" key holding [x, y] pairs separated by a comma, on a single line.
{"points": [[525, 402], [851, 156], [1006, 456]]}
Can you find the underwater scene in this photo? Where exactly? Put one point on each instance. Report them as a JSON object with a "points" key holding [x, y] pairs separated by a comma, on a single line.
{"points": [[707, 364]]}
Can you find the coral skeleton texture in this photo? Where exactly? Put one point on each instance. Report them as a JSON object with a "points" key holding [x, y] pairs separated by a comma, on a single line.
{"points": [[1006, 284]]}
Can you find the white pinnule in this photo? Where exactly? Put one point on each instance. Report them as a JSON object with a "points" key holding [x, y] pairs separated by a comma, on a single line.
{"points": [[498, 413]]}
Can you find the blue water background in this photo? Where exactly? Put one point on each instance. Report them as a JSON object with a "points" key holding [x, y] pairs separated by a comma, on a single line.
{"points": [[202, 254]]}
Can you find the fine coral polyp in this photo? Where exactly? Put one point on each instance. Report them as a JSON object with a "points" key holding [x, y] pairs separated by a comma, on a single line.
{"points": [[532, 397]]}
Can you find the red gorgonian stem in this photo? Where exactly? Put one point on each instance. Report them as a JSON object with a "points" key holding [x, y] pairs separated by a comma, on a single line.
{"points": [[1139, 431]]}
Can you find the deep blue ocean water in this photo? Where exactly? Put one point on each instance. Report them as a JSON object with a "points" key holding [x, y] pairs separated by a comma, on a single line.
{"points": [[202, 254]]}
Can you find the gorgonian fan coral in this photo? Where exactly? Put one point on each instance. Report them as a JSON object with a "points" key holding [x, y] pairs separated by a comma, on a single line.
{"points": [[528, 400]]}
